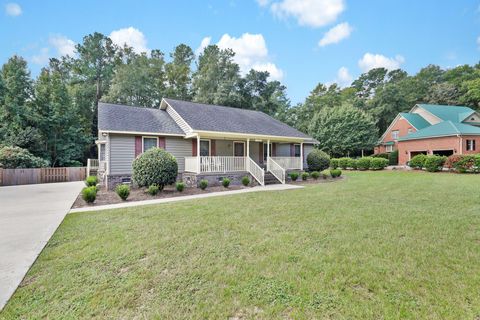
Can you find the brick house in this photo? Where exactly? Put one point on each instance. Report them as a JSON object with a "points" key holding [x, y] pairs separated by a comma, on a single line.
{"points": [[432, 129]]}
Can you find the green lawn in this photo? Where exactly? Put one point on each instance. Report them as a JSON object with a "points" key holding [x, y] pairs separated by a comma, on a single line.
{"points": [[378, 245]]}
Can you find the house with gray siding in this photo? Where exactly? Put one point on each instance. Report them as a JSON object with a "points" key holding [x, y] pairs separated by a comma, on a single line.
{"points": [[208, 141]]}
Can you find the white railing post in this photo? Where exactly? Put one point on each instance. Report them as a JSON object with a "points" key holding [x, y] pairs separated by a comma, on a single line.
{"points": [[198, 155]]}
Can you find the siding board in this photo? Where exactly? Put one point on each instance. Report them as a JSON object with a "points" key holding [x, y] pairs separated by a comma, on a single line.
{"points": [[179, 148], [122, 149]]}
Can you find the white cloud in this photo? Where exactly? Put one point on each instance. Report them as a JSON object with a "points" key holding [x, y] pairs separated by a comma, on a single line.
{"points": [[344, 78], [336, 34], [370, 61], [250, 53], [130, 36], [263, 3], [63, 45], [42, 57], [205, 43], [313, 13], [13, 9]]}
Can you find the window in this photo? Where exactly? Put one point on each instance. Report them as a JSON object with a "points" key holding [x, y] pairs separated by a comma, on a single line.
{"points": [[265, 151], [101, 156], [389, 148], [204, 148], [470, 145], [297, 150], [395, 134], [238, 149], [410, 130], [149, 143]]}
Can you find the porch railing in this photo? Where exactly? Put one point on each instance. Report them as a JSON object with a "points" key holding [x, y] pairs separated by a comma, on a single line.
{"points": [[215, 164], [276, 170], [191, 164], [254, 169], [289, 163], [92, 165]]}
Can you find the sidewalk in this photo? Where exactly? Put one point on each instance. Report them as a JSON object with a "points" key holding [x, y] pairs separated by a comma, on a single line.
{"points": [[272, 187]]}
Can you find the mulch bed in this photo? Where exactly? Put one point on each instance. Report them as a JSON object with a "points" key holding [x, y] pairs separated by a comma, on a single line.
{"points": [[313, 181]]}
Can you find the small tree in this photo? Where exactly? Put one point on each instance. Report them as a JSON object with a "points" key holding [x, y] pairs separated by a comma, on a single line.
{"points": [[155, 166], [16, 157]]}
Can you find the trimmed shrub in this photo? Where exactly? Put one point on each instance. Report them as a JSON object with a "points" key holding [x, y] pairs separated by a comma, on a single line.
{"points": [[225, 182], [418, 162], [123, 191], [335, 173], [325, 174], [180, 186], [465, 164], [315, 175], [16, 157], [305, 176], [477, 162], [393, 158], [155, 166], [452, 160], [364, 163], [89, 194], [334, 163], [378, 163], [434, 163], [246, 181], [352, 163], [317, 160], [91, 181], [343, 163], [294, 176], [153, 189], [203, 184], [380, 155]]}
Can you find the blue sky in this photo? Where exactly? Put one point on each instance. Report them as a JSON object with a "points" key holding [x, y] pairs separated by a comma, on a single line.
{"points": [[282, 36]]}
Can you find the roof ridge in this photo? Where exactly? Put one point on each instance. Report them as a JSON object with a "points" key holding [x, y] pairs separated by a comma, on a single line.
{"points": [[216, 105], [127, 105]]}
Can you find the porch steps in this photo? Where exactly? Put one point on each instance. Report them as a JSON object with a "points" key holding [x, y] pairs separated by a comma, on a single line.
{"points": [[270, 178]]}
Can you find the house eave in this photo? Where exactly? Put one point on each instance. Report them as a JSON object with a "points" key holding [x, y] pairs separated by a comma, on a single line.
{"points": [[222, 134], [142, 133]]}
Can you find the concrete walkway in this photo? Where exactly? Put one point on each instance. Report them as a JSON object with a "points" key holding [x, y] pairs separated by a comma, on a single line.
{"points": [[272, 187], [29, 215]]}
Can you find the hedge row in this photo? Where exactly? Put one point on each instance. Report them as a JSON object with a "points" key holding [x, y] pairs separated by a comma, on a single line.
{"points": [[365, 163], [434, 163]]}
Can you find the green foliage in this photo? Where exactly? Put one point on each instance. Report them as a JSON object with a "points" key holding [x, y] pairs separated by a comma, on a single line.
{"points": [[91, 181], [203, 184], [393, 158], [364, 163], [225, 182], [294, 176], [343, 129], [380, 155], [315, 175], [334, 163], [343, 163], [305, 176], [325, 174], [153, 190], [335, 173], [463, 163], [434, 163], [317, 160], [378, 163], [155, 166], [180, 186], [246, 181], [16, 157], [418, 161], [123, 191], [353, 163], [89, 194]]}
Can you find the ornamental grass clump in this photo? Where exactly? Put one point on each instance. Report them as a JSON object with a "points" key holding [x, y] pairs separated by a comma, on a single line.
{"points": [[180, 186], [203, 184], [246, 181]]}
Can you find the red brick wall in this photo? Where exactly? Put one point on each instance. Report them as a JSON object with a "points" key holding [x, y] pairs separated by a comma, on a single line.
{"points": [[429, 145], [402, 126], [464, 144]]}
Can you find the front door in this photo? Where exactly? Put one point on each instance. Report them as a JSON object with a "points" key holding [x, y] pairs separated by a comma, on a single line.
{"points": [[239, 149]]}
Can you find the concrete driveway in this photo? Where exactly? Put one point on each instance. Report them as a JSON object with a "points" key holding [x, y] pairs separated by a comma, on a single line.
{"points": [[29, 215]]}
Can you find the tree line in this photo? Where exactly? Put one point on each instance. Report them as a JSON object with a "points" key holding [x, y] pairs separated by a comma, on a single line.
{"points": [[54, 116]]}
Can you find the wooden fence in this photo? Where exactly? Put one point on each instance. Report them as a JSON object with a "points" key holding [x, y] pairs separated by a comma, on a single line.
{"points": [[11, 177]]}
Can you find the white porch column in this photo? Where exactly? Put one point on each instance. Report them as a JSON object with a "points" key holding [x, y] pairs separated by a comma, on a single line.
{"points": [[268, 153], [301, 155], [247, 159], [198, 153]]}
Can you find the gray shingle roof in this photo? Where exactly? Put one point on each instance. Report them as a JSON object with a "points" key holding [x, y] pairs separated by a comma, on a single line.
{"points": [[207, 117], [114, 117]]}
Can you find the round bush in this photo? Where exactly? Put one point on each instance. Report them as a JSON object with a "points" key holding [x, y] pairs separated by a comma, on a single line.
{"points": [[434, 163], [315, 175], [343, 163], [246, 181], [91, 181], [203, 184], [155, 166], [378, 163], [153, 189], [123, 191], [305, 176], [333, 163], [364, 163], [294, 176], [335, 173], [325, 174], [180, 186], [89, 194], [352, 163], [225, 182], [317, 160], [418, 162]]}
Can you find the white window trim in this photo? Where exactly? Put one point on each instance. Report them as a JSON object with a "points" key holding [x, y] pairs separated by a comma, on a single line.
{"points": [[209, 147], [265, 148], [389, 148], [148, 137], [300, 146], [398, 134], [233, 151], [471, 147]]}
